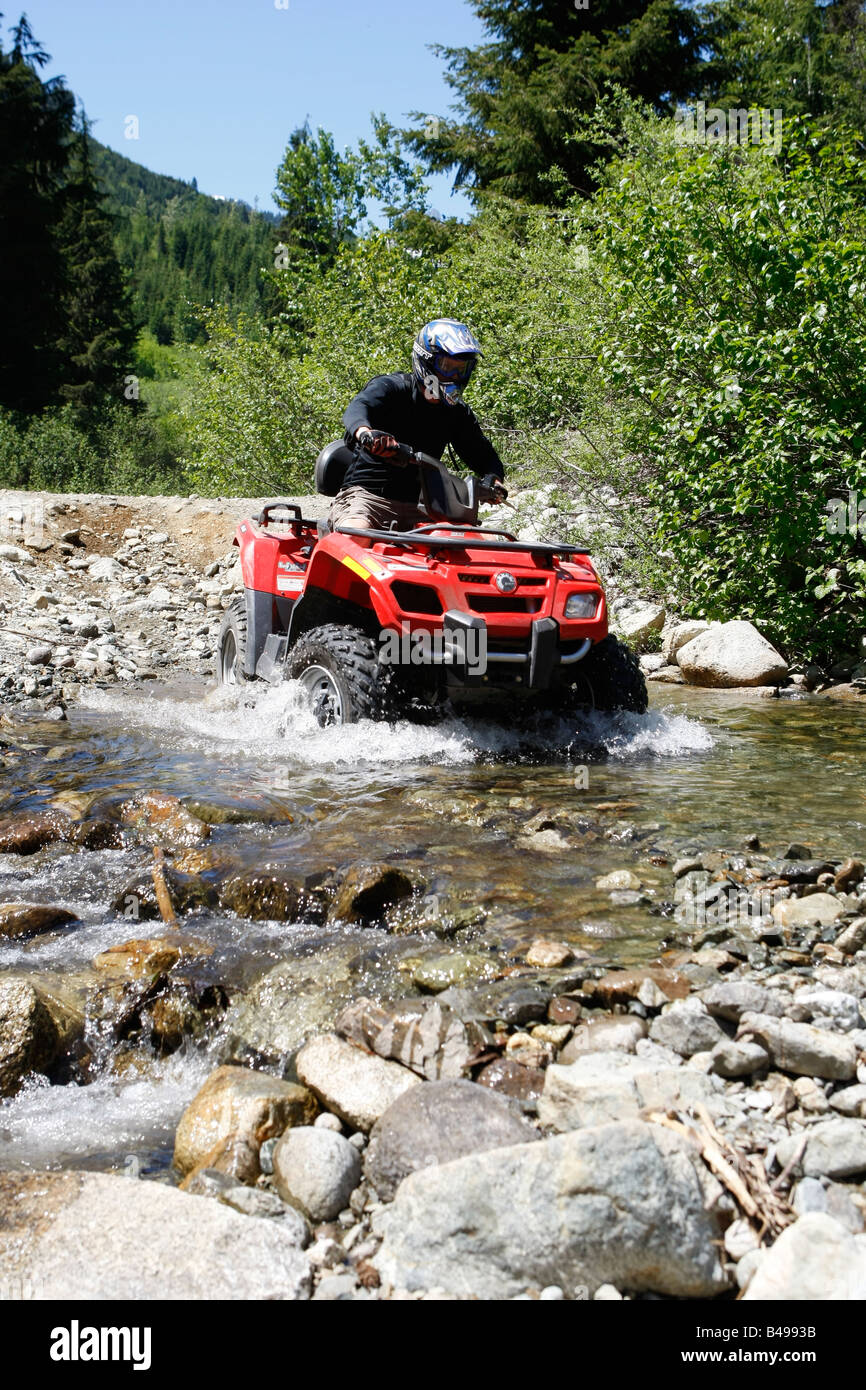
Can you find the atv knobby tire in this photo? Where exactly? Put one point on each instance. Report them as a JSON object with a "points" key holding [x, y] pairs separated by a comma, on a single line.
{"points": [[339, 670], [231, 652], [609, 678]]}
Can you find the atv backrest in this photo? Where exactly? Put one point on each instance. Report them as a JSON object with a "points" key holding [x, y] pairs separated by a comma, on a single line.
{"points": [[331, 466], [447, 497]]}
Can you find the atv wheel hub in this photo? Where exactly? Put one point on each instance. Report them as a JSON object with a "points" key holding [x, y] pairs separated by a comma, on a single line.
{"points": [[323, 693]]}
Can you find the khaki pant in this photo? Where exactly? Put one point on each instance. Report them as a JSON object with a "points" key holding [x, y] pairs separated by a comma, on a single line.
{"points": [[355, 506]]}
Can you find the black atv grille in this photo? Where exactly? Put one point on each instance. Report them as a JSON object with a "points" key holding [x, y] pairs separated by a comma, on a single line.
{"points": [[502, 603], [416, 598]]}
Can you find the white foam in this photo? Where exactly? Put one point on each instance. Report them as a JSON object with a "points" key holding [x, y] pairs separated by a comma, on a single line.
{"points": [[237, 720], [48, 1125]]}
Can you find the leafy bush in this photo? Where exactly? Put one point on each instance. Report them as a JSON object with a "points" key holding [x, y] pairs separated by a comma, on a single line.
{"points": [[732, 337], [119, 449]]}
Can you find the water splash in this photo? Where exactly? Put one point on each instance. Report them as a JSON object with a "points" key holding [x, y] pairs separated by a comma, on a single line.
{"points": [[232, 720], [114, 1116]]}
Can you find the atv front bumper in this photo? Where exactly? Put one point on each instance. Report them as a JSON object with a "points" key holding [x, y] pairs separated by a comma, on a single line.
{"points": [[530, 666]]}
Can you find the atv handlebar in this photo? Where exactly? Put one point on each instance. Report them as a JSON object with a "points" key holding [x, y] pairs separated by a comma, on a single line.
{"points": [[407, 455]]}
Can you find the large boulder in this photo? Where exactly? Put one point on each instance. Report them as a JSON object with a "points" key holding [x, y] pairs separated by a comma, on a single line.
{"points": [[638, 621], [731, 654], [355, 1085], [678, 634], [242, 1107], [815, 1259], [77, 1236], [623, 1204], [435, 1124]]}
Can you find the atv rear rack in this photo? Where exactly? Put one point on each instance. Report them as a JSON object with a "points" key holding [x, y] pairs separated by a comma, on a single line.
{"points": [[461, 542]]}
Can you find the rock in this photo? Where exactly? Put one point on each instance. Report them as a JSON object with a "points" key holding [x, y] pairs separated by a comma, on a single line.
{"points": [[740, 1238], [618, 881], [618, 1034], [819, 909], [686, 1027], [419, 1033], [28, 1037], [94, 1236], [623, 986], [32, 831], [830, 1008], [800, 1048], [850, 1101], [42, 598], [502, 999], [316, 1171], [733, 998], [731, 1059], [328, 1121], [652, 661], [271, 895], [164, 820], [105, 569], [625, 1204], [606, 1086], [731, 654], [39, 656], [510, 1077], [548, 954], [367, 891], [236, 1103], [637, 623], [356, 1085], [452, 968], [853, 938], [678, 634], [298, 997], [834, 1149], [21, 920], [15, 553], [849, 875], [437, 1123], [141, 959], [814, 1260], [137, 897], [796, 868], [667, 675]]}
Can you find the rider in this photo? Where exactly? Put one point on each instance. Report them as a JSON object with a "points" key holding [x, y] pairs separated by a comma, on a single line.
{"points": [[424, 409]]}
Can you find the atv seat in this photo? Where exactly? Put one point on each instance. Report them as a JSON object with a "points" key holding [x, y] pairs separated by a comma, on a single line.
{"points": [[331, 466]]}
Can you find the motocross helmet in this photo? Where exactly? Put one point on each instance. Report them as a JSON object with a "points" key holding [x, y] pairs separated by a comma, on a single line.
{"points": [[444, 357]]}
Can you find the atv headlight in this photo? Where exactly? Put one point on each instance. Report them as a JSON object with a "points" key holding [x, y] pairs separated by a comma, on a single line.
{"points": [[581, 605]]}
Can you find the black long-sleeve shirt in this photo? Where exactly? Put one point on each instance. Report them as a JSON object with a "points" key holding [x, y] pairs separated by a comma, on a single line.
{"points": [[396, 404]]}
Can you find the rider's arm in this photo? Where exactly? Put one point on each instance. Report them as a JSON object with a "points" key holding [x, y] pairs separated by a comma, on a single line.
{"points": [[472, 445], [364, 411]]}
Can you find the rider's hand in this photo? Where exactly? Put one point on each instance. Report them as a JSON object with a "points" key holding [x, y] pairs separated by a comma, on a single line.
{"points": [[378, 443], [495, 487]]}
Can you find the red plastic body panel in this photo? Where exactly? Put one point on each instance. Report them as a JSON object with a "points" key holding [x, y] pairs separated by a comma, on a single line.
{"points": [[461, 579]]}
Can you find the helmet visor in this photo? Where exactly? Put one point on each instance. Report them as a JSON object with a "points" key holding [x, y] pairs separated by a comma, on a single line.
{"points": [[456, 369]]}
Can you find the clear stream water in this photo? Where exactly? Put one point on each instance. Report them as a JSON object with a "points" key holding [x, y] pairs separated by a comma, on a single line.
{"points": [[450, 802]]}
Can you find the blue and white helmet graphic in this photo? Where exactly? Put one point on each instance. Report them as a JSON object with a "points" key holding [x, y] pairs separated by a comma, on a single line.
{"points": [[444, 357]]}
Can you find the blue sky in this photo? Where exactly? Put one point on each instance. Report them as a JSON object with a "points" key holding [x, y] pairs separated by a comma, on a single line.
{"points": [[218, 85]]}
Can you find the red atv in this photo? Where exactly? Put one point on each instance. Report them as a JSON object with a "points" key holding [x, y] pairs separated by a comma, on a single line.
{"points": [[407, 621]]}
